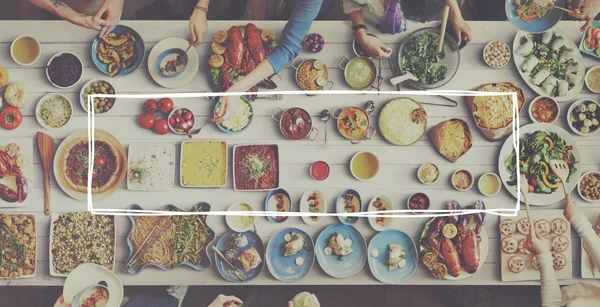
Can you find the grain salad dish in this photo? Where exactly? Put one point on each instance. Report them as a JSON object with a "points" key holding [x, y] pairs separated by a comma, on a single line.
{"points": [[402, 121], [54, 111], [81, 237]]}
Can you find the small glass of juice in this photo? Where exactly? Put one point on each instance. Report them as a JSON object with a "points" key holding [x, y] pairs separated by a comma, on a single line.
{"points": [[25, 50]]}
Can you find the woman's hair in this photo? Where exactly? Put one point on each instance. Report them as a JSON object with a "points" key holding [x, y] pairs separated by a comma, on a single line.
{"points": [[421, 9]]}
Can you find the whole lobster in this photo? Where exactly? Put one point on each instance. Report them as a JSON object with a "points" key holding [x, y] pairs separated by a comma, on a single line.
{"points": [[255, 43], [468, 239], [235, 49], [8, 169]]}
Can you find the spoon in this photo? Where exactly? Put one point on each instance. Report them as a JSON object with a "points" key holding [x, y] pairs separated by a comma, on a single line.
{"points": [[325, 115], [196, 131], [369, 107]]}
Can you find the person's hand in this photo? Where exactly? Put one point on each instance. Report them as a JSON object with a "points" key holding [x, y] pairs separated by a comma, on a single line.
{"points": [[584, 10], [461, 28], [113, 10], [373, 46], [571, 209], [87, 21], [198, 26], [60, 302], [536, 243], [226, 301]]}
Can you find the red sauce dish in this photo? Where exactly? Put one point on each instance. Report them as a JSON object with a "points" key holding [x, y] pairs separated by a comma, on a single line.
{"points": [[319, 170]]}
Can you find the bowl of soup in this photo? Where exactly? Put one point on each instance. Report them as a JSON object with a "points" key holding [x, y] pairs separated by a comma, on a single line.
{"points": [[353, 123], [240, 222], [359, 72], [295, 124], [364, 165], [489, 184], [25, 50]]}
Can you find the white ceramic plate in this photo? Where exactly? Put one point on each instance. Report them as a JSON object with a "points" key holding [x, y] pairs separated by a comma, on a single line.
{"points": [[54, 217], [304, 207], [164, 166], [89, 274], [388, 206], [538, 199], [26, 149], [518, 59], [192, 66]]}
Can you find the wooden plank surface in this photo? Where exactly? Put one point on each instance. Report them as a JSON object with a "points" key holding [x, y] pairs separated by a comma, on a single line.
{"points": [[397, 178]]}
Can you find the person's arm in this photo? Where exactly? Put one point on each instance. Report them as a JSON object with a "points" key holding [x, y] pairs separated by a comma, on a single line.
{"points": [[540, 246], [198, 24], [589, 238], [374, 47], [293, 33], [459, 24], [60, 9]]}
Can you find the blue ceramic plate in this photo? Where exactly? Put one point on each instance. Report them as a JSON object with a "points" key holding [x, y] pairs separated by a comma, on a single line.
{"points": [[249, 122], [351, 264], [271, 205], [138, 57], [224, 269], [536, 25], [170, 54], [285, 268], [204, 263], [378, 264], [339, 207], [582, 46]]}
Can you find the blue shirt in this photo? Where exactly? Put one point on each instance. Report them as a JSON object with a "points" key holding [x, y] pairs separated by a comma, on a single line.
{"points": [[293, 33]]}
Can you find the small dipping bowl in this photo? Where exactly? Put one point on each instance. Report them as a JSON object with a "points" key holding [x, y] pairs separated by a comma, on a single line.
{"points": [[56, 56], [489, 184], [276, 198], [459, 173], [167, 56], [95, 292], [240, 223], [420, 198], [173, 117], [33, 47], [425, 169], [539, 100], [319, 170]]}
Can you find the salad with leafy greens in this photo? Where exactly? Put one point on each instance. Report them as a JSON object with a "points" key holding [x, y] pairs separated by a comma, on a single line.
{"points": [[536, 149], [420, 57]]}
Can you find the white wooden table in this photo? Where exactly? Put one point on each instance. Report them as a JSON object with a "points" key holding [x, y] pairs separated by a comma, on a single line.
{"points": [[397, 178]]}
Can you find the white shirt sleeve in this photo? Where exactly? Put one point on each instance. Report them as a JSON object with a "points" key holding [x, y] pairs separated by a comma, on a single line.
{"points": [[551, 295], [351, 6], [589, 239]]}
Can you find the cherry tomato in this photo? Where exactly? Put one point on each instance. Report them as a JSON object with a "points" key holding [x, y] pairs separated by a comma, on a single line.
{"points": [[94, 174], [150, 106], [10, 118], [147, 120], [188, 116], [530, 189], [165, 105], [161, 127], [172, 121], [100, 162]]}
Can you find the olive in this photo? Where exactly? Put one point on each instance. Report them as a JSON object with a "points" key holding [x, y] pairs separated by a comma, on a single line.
{"points": [[102, 103], [87, 90], [103, 89], [97, 111], [85, 96], [111, 91], [94, 84]]}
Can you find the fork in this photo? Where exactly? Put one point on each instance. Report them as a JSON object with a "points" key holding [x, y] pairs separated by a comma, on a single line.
{"points": [[236, 271], [272, 97]]}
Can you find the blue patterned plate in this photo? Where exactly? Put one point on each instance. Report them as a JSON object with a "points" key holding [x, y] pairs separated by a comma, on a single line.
{"points": [[379, 266], [536, 25], [223, 245], [138, 57], [349, 265], [287, 268]]}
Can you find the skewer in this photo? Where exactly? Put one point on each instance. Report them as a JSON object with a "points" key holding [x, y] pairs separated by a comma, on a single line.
{"points": [[443, 28]]}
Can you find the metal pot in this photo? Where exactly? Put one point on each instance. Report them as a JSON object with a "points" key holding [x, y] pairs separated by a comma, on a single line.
{"points": [[279, 114], [367, 134], [310, 62], [345, 63]]}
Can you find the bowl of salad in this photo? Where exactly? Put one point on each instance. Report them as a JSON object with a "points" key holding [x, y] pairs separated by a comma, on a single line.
{"points": [[418, 55]]}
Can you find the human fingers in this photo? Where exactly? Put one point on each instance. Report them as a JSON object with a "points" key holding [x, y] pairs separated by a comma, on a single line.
{"points": [[103, 31], [193, 36], [588, 20], [290, 304], [233, 299], [101, 11]]}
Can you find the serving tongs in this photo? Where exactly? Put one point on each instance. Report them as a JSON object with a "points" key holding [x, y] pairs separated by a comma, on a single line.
{"points": [[159, 228]]}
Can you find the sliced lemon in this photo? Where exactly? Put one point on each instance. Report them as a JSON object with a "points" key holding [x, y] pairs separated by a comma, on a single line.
{"points": [[218, 48], [598, 51], [267, 36], [318, 64], [449, 231], [321, 81]]}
